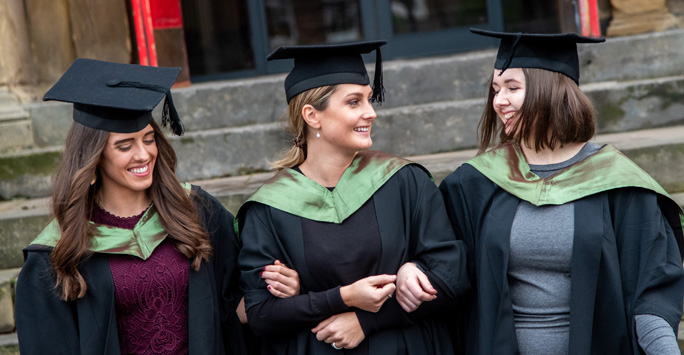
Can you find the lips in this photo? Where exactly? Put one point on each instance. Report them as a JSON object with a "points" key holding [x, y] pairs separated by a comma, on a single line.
{"points": [[508, 117], [140, 170]]}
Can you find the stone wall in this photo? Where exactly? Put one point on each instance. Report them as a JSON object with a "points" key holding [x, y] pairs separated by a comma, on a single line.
{"points": [[39, 39], [641, 16], [15, 61]]}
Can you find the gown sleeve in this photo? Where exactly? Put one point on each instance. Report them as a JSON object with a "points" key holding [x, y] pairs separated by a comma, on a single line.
{"points": [[218, 223], [467, 194], [45, 323], [650, 262], [391, 314], [432, 246], [266, 313], [433, 243]]}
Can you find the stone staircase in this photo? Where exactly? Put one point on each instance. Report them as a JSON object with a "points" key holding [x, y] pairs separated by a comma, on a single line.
{"points": [[431, 114]]}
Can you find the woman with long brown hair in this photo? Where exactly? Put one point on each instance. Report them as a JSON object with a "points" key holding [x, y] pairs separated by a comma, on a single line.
{"points": [[572, 248], [134, 261]]}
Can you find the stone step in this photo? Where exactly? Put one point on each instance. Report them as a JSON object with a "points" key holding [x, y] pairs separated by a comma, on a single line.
{"points": [[659, 151], [9, 344], [16, 131], [407, 130], [7, 279], [462, 76], [16, 134], [12, 113], [10, 108]]}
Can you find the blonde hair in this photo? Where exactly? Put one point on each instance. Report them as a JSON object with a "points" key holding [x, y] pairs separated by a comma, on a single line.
{"points": [[316, 97]]}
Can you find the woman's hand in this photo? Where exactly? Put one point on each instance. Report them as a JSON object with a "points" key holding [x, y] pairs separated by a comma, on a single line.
{"points": [[369, 293], [282, 281], [343, 330], [413, 287], [240, 310]]}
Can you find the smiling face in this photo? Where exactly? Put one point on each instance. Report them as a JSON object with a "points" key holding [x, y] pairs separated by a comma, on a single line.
{"points": [[346, 122], [509, 95], [127, 162]]}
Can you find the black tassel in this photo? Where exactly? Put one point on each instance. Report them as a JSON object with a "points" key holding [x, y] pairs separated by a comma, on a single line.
{"points": [[169, 113], [378, 86]]}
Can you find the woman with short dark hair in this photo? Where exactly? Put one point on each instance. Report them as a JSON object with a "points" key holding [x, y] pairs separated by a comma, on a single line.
{"points": [[572, 248]]}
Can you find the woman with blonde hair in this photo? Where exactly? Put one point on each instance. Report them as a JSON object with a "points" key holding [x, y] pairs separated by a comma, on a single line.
{"points": [[355, 224]]}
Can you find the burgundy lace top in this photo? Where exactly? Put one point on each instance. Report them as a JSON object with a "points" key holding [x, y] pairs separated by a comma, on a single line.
{"points": [[151, 295]]}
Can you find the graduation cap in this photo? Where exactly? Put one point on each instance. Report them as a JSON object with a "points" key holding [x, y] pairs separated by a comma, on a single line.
{"points": [[555, 52], [331, 64], [117, 97]]}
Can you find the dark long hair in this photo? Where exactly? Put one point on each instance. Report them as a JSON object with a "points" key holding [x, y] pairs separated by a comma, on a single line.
{"points": [[74, 196], [555, 112]]}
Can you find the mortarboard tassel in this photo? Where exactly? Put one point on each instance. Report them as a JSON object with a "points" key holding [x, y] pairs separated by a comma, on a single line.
{"points": [[170, 115], [378, 86]]}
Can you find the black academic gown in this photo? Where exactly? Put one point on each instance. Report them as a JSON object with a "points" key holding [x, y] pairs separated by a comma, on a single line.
{"points": [[413, 227], [48, 325], [625, 261]]}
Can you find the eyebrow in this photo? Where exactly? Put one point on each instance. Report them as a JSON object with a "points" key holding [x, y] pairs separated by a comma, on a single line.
{"points": [[507, 81], [357, 94], [126, 140]]}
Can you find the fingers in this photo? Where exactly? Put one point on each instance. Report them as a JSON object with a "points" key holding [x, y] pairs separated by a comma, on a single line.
{"points": [[421, 289], [414, 288], [414, 293], [386, 290], [380, 280], [280, 291], [426, 285], [344, 330], [406, 299], [407, 305], [282, 281], [322, 325], [281, 268], [279, 278]]}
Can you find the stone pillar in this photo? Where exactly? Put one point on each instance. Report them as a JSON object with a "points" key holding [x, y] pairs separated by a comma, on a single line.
{"points": [[100, 30], [640, 16], [16, 61], [50, 39], [63, 30], [677, 9]]}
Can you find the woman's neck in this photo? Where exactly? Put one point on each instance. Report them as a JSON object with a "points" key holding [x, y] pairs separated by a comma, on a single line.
{"points": [[325, 169], [548, 156], [126, 204]]}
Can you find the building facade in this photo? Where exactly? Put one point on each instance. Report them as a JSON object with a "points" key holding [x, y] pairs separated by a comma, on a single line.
{"points": [[224, 39]]}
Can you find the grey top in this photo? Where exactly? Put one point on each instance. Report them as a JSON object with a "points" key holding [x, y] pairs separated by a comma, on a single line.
{"points": [[540, 277], [539, 268]]}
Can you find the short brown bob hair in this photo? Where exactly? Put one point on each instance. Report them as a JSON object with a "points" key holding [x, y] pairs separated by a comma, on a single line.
{"points": [[555, 112]]}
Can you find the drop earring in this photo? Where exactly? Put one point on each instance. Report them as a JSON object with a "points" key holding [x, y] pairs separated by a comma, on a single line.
{"points": [[318, 134], [92, 182]]}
